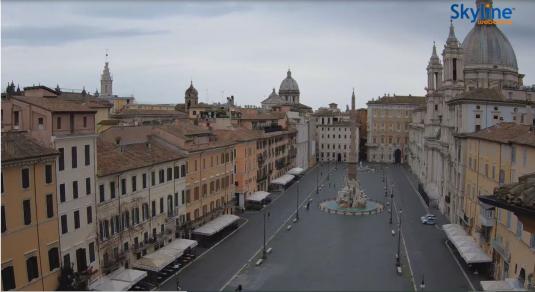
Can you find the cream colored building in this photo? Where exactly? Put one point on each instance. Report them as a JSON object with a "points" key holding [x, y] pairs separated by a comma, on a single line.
{"points": [[333, 132], [140, 198], [388, 127]]}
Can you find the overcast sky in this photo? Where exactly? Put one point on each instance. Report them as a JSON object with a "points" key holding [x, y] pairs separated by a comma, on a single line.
{"points": [[239, 48]]}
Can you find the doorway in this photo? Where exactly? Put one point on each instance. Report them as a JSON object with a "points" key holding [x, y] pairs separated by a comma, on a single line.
{"points": [[81, 262], [397, 156], [339, 157]]}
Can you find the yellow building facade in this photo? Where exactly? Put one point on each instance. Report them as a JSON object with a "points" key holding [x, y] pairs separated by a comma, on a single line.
{"points": [[498, 156], [30, 236]]}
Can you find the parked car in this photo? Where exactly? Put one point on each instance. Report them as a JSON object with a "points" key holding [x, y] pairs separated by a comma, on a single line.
{"points": [[428, 219]]}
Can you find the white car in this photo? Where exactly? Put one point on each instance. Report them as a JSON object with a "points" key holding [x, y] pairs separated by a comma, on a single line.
{"points": [[428, 219]]}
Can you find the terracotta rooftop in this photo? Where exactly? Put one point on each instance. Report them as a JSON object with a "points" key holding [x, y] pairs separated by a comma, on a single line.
{"points": [[256, 115], [19, 146], [238, 134], [185, 130], [87, 99], [486, 94], [399, 99], [55, 104], [145, 112], [114, 159], [520, 194], [506, 133]]}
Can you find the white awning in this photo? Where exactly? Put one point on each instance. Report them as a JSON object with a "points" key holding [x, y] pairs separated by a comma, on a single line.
{"points": [[283, 180], [258, 196], [465, 244], [157, 260], [296, 171], [216, 225], [107, 284], [182, 244], [509, 284], [130, 276]]}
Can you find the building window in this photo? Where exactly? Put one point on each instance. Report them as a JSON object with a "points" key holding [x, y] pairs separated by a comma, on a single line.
{"points": [[8, 278], [76, 219], [16, 118], [31, 268], [64, 227], [91, 252], [74, 158], [85, 122], [75, 190], [134, 183], [4, 225], [48, 173], [153, 178], [169, 173], [532, 241], [27, 212], [58, 123], [53, 258], [123, 186], [87, 185], [513, 153], [86, 155], [161, 205], [144, 180], [183, 170], [49, 206], [161, 175], [176, 199], [153, 208], [177, 173], [62, 193], [112, 189], [25, 175], [61, 165], [101, 193], [508, 222], [89, 215], [519, 228]]}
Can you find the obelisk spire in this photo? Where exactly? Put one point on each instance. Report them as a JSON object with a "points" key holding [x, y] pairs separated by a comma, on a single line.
{"points": [[352, 167]]}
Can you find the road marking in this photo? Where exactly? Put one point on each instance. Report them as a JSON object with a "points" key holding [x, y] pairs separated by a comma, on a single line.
{"points": [[269, 240], [202, 254], [460, 267]]}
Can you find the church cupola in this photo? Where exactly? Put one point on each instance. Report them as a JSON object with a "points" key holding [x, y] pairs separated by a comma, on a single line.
{"points": [[191, 96], [434, 72]]}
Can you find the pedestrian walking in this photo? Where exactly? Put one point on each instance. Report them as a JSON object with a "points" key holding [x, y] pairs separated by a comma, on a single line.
{"points": [[239, 288], [307, 206], [178, 288]]}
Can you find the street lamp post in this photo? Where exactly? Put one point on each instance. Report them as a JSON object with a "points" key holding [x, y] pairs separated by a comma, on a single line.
{"points": [[266, 213], [422, 285], [398, 256], [391, 204], [297, 203], [317, 183]]}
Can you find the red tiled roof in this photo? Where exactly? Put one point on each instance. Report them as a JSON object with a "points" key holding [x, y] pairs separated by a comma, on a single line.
{"points": [[507, 133], [115, 159], [19, 146], [55, 104]]}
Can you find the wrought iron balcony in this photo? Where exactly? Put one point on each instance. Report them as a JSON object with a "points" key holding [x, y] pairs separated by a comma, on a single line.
{"points": [[499, 248]]}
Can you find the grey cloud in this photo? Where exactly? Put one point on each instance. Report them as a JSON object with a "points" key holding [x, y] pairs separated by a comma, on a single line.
{"points": [[50, 36], [158, 9]]}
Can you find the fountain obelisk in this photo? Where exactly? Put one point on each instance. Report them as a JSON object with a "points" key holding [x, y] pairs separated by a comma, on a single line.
{"points": [[351, 196]]}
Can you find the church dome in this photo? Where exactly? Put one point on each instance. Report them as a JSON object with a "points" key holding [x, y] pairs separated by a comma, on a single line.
{"points": [[487, 45], [191, 91], [288, 84]]}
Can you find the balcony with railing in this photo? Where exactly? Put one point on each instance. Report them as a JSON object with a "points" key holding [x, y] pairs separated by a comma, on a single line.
{"points": [[499, 247]]}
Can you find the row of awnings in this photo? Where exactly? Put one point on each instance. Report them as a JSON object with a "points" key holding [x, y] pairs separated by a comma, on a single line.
{"points": [[216, 225], [164, 256], [465, 244], [119, 280]]}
